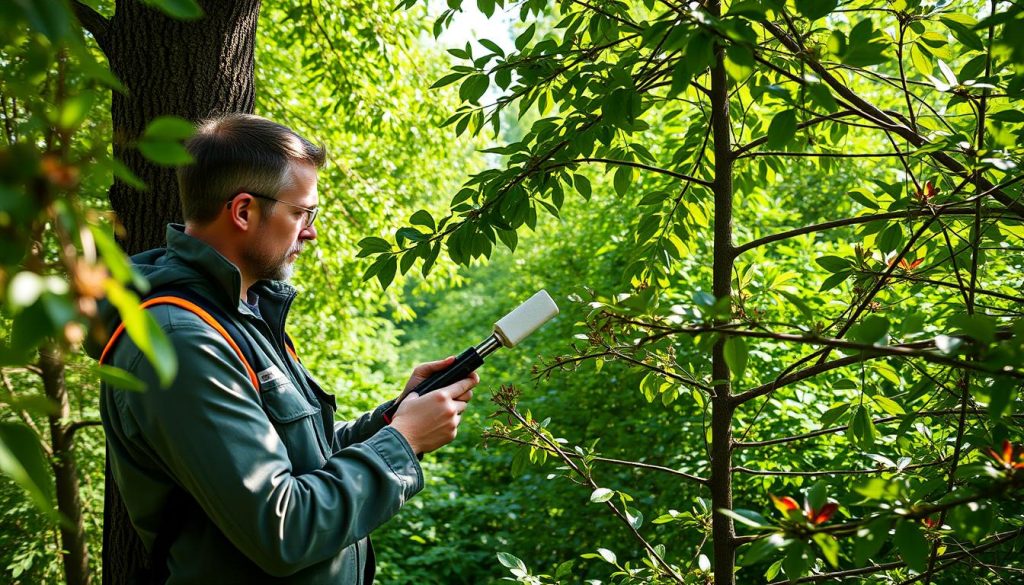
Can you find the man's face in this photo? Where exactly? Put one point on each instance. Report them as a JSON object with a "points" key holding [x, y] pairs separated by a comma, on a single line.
{"points": [[281, 234]]}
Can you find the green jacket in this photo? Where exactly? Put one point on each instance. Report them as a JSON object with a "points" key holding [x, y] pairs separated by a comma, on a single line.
{"points": [[276, 490]]}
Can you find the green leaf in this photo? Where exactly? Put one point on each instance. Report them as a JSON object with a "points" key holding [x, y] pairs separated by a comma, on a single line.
{"points": [[912, 545], [890, 239], [115, 260], [144, 332], [447, 80], [423, 218], [120, 379], [832, 415], [1001, 396], [525, 38], [972, 521], [797, 560], [815, 9], [428, 263], [736, 354], [510, 561], [888, 405], [168, 129], [817, 496], [758, 550], [829, 547], [980, 327], [870, 540], [782, 129], [582, 184], [52, 18], [872, 330], [21, 459], [168, 154], [373, 245], [834, 263], [623, 180], [601, 495], [180, 9], [474, 87], [387, 271], [747, 517]]}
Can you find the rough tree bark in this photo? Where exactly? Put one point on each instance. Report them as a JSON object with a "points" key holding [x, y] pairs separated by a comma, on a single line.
{"points": [[722, 406], [190, 69], [69, 503]]}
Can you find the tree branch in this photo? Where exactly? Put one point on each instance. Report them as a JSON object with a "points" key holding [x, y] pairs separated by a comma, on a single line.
{"points": [[877, 421], [825, 226], [621, 462], [94, 23], [997, 540]]}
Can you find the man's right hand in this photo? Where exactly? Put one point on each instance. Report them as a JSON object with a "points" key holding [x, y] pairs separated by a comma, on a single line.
{"points": [[430, 422]]}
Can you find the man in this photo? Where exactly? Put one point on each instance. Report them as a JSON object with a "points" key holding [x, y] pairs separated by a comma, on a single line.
{"points": [[227, 482]]}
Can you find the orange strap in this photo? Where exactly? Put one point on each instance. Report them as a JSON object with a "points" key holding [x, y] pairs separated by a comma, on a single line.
{"points": [[202, 314], [291, 352]]}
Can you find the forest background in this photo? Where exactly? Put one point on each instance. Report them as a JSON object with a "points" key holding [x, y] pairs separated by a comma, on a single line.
{"points": [[785, 236]]}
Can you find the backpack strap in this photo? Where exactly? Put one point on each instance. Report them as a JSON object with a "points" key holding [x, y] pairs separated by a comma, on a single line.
{"points": [[177, 301]]}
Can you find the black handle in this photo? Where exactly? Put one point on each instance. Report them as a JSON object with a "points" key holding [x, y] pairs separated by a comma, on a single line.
{"points": [[464, 365]]}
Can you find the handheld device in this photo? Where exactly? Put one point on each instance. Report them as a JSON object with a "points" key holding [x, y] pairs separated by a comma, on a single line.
{"points": [[508, 332]]}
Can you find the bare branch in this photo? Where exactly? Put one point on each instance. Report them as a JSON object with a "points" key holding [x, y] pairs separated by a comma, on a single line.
{"points": [[621, 462]]}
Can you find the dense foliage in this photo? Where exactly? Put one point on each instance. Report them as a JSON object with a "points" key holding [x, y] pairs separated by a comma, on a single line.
{"points": [[786, 238]]}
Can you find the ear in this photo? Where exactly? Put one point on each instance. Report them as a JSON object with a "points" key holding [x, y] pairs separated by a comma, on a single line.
{"points": [[242, 212]]}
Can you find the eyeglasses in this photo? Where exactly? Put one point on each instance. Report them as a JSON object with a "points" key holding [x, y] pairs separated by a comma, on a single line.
{"points": [[310, 211]]}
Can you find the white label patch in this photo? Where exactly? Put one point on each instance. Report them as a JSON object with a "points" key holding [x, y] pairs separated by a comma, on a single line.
{"points": [[270, 374]]}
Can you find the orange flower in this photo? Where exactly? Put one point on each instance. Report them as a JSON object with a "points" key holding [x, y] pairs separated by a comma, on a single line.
{"points": [[929, 191], [786, 504], [821, 516], [908, 266], [1006, 457]]}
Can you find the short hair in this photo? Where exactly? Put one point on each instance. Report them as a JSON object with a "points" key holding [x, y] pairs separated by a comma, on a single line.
{"points": [[235, 153]]}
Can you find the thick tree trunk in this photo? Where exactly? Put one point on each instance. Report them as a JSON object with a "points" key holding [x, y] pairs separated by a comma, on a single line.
{"points": [[193, 70], [189, 69], [722, 406], [69, 503]]}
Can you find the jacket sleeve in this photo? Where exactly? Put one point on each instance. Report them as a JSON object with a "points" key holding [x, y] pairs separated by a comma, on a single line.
{"points": [[361, 429], [210, 433]]}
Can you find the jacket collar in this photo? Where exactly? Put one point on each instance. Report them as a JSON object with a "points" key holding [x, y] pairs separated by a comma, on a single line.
{"points": [[225, 278]]}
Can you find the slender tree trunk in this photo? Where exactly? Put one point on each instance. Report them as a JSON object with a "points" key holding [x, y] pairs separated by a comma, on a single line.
{"points": [[193, 70], [69, 503], [722, 407]]}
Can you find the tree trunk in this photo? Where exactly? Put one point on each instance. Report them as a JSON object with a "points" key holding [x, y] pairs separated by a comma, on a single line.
{"points": [[193, 70], [722, 407], [69, 503]]}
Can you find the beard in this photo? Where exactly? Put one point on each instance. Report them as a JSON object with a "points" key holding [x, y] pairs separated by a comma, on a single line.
{"points": [[266, 265]]}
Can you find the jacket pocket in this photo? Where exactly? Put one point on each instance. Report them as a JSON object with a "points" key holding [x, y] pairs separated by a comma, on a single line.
{"points": [[296, 422]]}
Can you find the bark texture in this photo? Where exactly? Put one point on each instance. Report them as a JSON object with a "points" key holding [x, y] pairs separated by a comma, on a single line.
{"points": [[72, 533], [722, 405], [191, 69]]}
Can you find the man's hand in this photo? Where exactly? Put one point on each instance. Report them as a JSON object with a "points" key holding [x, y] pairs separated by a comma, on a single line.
{"points": [[424, 371], [431, 421]]}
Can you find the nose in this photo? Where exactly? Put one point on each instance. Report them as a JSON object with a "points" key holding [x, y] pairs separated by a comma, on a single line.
{"points": [[308, 233]]}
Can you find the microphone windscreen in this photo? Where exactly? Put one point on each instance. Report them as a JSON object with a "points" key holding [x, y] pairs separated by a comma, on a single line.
{"points": [[525, 319]]}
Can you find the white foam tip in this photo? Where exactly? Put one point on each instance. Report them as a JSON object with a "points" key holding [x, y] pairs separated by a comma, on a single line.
{"points": [[525, 319]]}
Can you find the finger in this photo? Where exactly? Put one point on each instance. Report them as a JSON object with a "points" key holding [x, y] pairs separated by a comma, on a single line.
{"points": [[460, 407], [458, 388], [425, 369], [408, 398], [465, 396]]}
